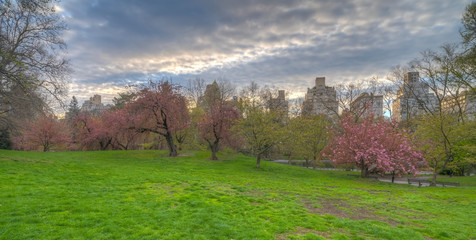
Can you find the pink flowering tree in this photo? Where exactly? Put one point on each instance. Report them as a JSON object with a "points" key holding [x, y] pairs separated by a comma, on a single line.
{"points": [[215, 127], [44, 133], [92, 133], [161, 109], [375, 146], [120, 124]]}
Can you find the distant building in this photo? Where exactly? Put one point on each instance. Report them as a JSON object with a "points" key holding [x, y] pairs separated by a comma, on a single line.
{"points": [[94, 105], [465, 102], [368, 104], [413, 98], [320, 99], [279, 103]]}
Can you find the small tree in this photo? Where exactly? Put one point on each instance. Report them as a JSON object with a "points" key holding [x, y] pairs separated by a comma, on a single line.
{"points": [[261, 130], [216, 125], [374, 146], [92, 132], [307, 136], [119, 124], [161, 109], [45, 133]]}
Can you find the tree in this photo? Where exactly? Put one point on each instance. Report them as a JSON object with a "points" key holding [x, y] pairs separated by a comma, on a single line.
{"points": [[44, 132], [162, 110], [375, 146], [92, 132], [5, 140], [119, 124], [73, 109], [307, 137], [32, 62], [195, 90], [444, 141], [121, 101], [216, 125], [260, 128]]}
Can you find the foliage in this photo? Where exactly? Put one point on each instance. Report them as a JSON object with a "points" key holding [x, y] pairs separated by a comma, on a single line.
{"points": [[444, 139], [5, 139], [161, 109], [146, 195], [46, 133], [261, 130], [306, 137], [374, 145], [215, 127], [120, 123], [121, 101], [73, 109], [92, 133]]}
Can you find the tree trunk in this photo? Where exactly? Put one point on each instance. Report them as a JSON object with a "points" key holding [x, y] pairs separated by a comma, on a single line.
{"points": [[258, 160], [314, 162], [364, 173], [393, 176], [214, 148], [171, 145], [433, 181]]}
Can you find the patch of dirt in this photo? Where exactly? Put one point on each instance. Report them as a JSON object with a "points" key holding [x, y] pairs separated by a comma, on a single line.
{"points": [[185, 154], [341, 209], [373, 191]]}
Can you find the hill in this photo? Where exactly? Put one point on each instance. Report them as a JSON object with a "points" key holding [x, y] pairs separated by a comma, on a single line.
{"points": [[146, 195]]}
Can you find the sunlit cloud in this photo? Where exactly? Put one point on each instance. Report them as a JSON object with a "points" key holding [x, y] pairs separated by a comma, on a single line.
{"points": [[282, 43]]}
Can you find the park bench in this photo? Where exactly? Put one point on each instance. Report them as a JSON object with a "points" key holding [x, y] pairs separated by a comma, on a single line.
{"points": [[419, 181], [448, 184]]}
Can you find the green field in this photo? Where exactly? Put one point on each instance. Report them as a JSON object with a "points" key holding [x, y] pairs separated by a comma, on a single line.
{"points": [[145, 195]]}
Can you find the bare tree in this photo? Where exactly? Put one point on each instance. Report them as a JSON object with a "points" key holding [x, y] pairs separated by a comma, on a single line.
{"points": [[33, 68], [195, 89]]}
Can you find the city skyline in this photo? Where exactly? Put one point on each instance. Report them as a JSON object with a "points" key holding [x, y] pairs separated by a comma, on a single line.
{"points": [[281, 43]]}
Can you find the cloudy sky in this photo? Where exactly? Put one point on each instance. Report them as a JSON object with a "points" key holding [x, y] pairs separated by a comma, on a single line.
{"points": [[284, 43]]}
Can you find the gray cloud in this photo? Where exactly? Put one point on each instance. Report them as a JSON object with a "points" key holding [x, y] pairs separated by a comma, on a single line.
{"points": [[283, 43]]}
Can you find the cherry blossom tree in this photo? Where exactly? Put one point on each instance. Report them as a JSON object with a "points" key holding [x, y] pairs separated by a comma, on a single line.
{"points": [[161, 109], [215, 127], [46, 133], [120, 125], [92, 132], [375, 146]]}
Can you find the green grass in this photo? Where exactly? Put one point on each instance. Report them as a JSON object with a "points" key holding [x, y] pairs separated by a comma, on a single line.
{"points": [[145, 195]]}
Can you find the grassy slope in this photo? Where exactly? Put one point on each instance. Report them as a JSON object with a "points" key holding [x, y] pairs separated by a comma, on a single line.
{"points": [[139, 194]]}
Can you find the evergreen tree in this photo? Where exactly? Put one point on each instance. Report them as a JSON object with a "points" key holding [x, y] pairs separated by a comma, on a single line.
{"points": [[5, 141], [73, 109]]}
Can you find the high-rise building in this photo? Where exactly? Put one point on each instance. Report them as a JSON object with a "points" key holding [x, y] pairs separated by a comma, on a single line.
{"points": [[367, 104], [94, 105], [279, 103], [465, 102], [320, 99], [413, 98]]}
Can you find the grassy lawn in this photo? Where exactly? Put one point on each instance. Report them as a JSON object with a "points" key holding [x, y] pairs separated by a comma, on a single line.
{"points": [[145, 195]]}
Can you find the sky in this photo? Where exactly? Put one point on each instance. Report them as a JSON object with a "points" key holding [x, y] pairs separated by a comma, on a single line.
{"points": [[280, 43]]}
